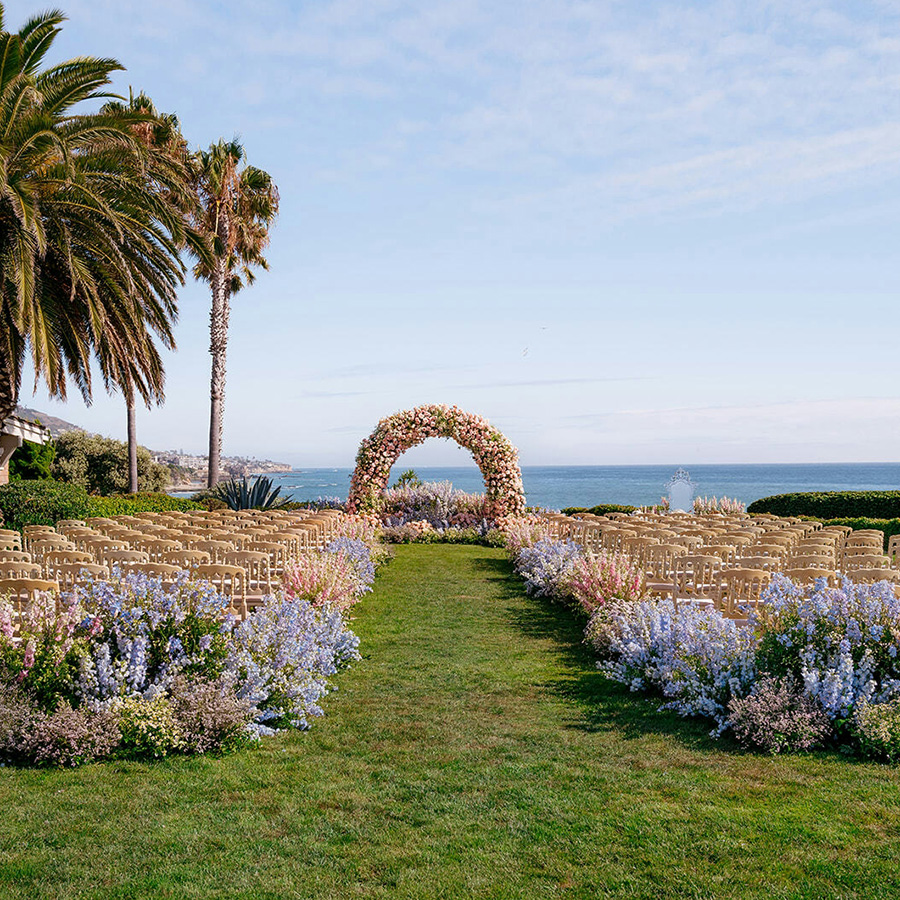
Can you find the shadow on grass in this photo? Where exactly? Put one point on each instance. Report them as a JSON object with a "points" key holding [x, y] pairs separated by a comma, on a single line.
{"points": [[602, 704]]}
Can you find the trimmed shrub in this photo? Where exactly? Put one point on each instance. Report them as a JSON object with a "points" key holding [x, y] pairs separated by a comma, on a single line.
{"points": [[131, 504], [46, 502], [600, 510], [41, 503], [831, 504]]}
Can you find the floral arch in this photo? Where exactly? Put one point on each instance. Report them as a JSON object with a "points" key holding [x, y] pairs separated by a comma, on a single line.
{"points": [[495, 455]]}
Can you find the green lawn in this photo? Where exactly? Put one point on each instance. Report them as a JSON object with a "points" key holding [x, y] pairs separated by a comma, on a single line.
{"points": [[474, 752]]}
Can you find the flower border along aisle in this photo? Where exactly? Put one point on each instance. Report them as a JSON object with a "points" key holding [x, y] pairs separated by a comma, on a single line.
{"points": [[494, 454]]}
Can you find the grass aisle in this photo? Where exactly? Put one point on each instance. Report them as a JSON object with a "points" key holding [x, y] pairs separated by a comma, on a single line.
{"points": [[475, 752]]}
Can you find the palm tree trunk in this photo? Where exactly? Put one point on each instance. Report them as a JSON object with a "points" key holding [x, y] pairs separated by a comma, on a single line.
{"points": [[132, 449], [218, 345], [9, 385]]}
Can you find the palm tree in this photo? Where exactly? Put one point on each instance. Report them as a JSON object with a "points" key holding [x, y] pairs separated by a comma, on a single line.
{"points": [[89, 261], [236, 208], [159, 132]]}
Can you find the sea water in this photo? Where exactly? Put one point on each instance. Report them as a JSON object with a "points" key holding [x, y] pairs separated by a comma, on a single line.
{"points": [[556, 487]]}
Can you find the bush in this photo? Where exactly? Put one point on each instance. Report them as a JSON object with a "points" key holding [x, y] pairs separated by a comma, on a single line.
{"points": [[323, 579], [46, 502], [600, 510], [547, 565], [282, 656], [70, 737], [831, 504], [877, 730], [697, 658], [41, 503], [778, 715], [210, 716], [32, 461], [141, 635], [100, 464], [842, 643], [148, 727], [603, 579], [132, 504]]}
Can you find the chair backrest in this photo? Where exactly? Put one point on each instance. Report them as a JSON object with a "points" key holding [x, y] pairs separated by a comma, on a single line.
{"points": [[71, 574], [153, 569], [725, 552], [14, 555], [894, 547], [767, 563], [39, 547], [870, 576], [21, 591], [697, 575], [20, 569], [864, 561], [118, 557], [825, 560], [228, 580], [256, 566], [186, 559], [742, 588], [807, 575], [216, 549]]}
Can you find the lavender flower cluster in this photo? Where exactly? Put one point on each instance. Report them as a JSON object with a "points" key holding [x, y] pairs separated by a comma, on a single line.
{"points": [[133, 667], [695, 657], [812, 663], [546, 565], [282, 656], [438, 503], [842, 643], [358, 553]]}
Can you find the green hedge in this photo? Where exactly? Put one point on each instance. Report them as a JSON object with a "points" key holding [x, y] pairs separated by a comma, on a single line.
{"points": [[46, 502], [146, 501], [888, 526], [41, 503], [600, 510], [831, 504]]}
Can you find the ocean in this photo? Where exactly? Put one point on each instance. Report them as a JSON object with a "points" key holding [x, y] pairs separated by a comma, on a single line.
{"points": [[555, 487]]}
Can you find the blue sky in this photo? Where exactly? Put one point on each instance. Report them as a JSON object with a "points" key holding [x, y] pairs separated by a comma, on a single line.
{"points": [[625, 233]]}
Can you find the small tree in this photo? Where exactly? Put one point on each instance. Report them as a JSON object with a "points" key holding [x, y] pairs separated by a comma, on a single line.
{"points": [[99, 464]]}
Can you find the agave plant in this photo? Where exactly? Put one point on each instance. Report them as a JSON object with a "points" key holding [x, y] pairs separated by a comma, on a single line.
{"points": [[244, 495]]}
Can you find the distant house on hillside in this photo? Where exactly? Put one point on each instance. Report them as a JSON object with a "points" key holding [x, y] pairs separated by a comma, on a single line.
{"points": [[13, 431]]}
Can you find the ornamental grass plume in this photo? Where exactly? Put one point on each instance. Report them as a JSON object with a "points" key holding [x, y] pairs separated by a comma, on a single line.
{"points": [[604, 579], [322, 579], [723, 505]]}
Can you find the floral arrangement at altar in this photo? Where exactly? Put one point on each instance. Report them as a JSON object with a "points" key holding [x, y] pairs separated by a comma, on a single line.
{"points": [[495, 456]]}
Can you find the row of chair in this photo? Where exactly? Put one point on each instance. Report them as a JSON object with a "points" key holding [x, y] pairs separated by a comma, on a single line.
{"points": [[241, 554], [727, 561]]}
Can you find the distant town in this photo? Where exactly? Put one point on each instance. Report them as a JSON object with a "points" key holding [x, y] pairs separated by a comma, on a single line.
{"points": [[189, 472]]}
